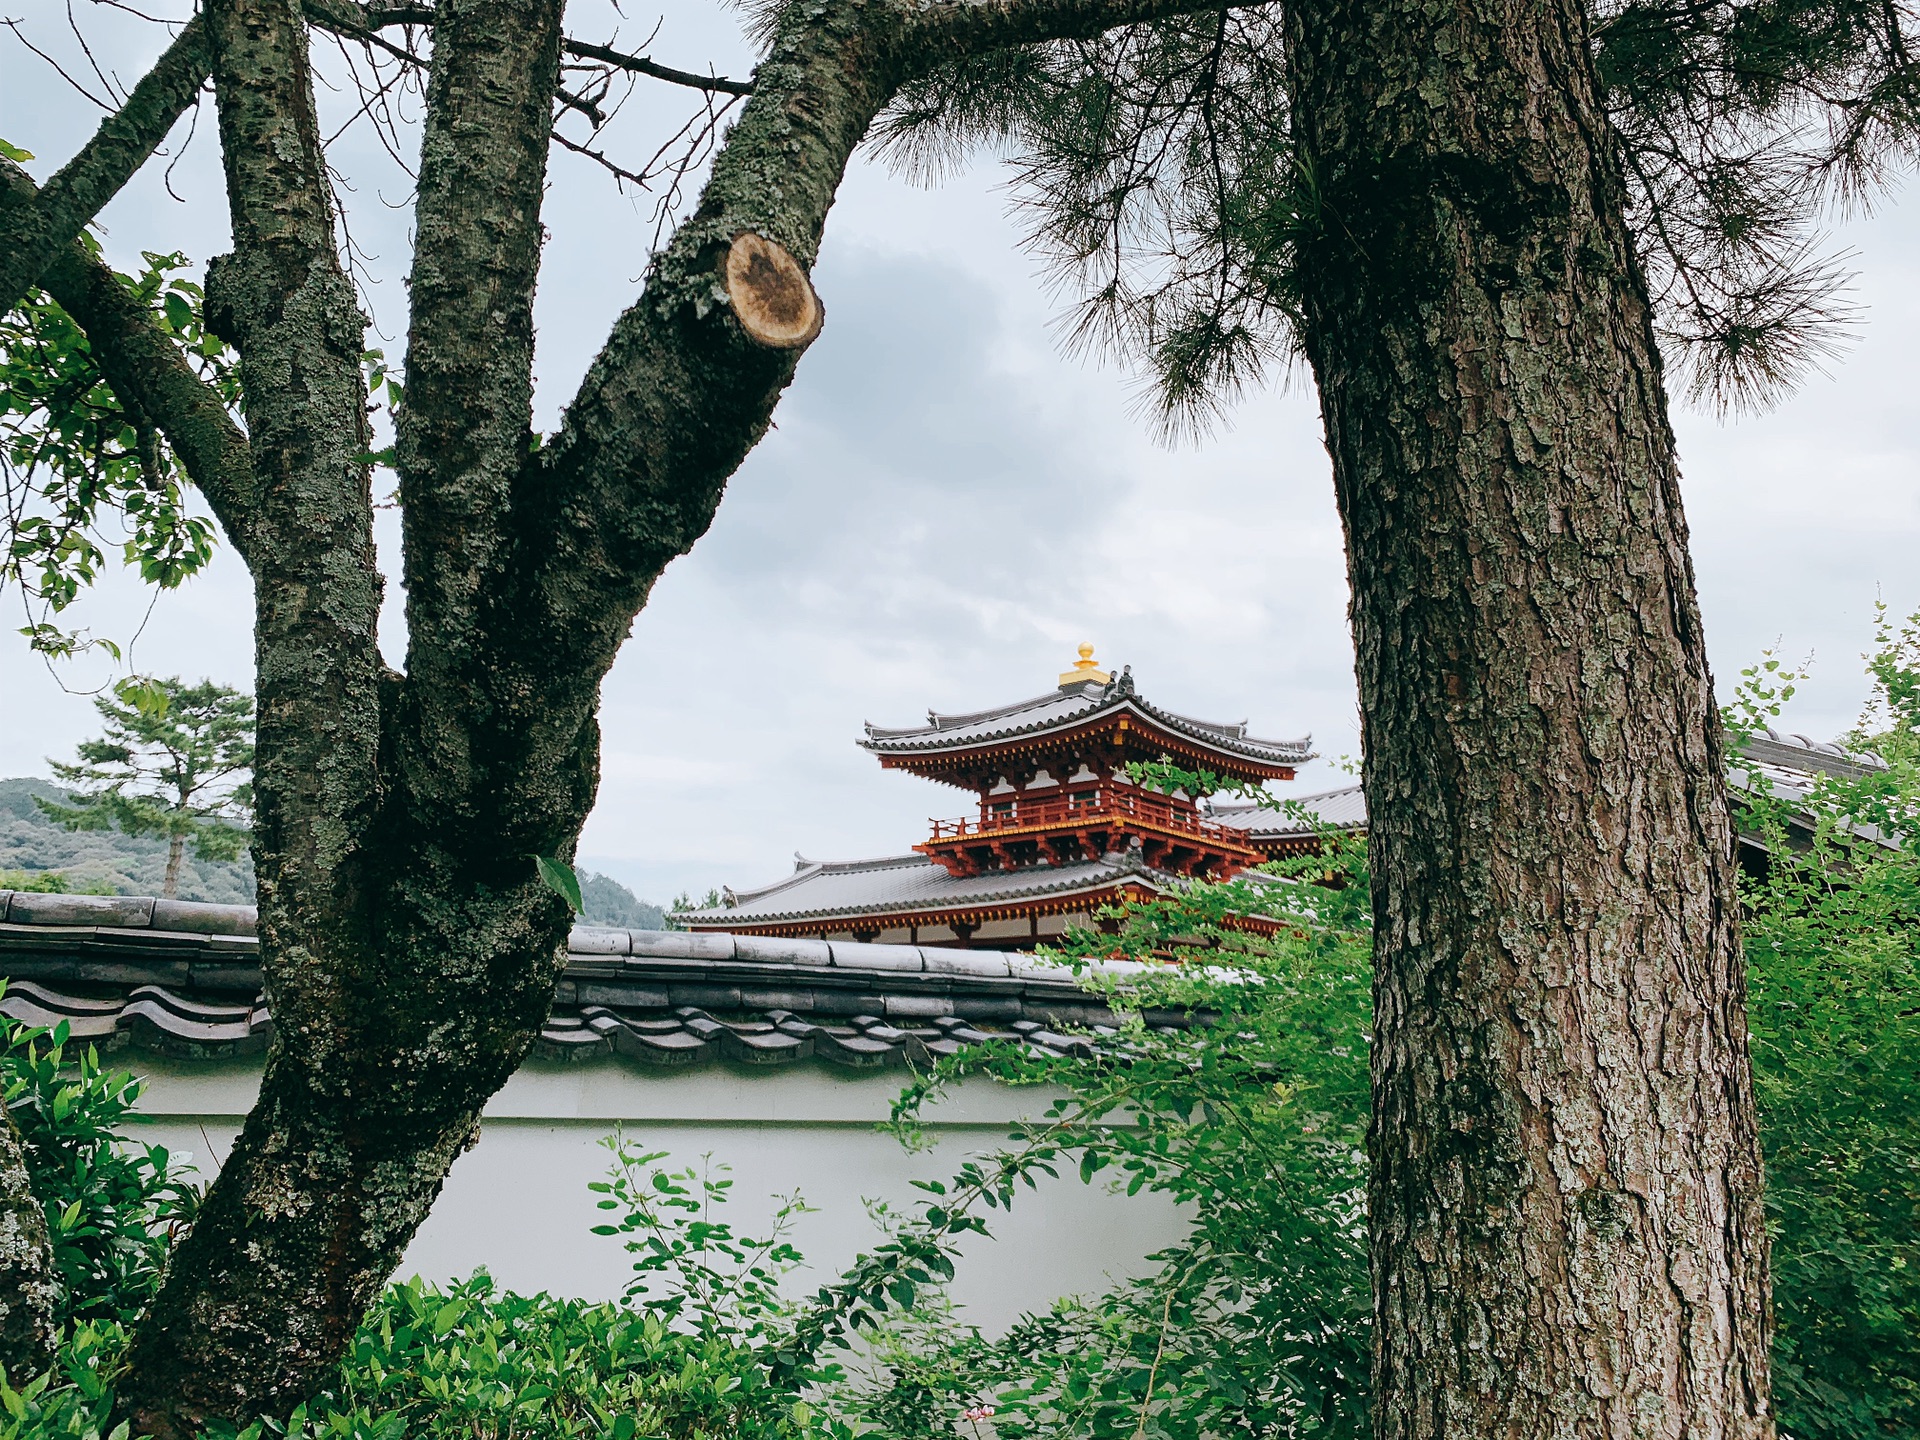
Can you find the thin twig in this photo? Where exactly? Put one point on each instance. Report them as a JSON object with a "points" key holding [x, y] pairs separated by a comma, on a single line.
{"points": [[642, 65]]}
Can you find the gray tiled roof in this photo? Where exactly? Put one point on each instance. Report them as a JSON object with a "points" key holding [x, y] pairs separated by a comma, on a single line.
{"points": [[1071, 705], [184, 980], [1790, 763], [1343, 809], [1790, 766], [1797, 752], [902, 884]]}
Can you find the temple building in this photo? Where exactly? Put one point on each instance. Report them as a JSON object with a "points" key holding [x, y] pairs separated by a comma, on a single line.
{"points": [[1057, 830]]}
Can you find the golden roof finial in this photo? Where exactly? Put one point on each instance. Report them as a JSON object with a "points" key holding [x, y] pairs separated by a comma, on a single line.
{"points": [[1084, 669]]}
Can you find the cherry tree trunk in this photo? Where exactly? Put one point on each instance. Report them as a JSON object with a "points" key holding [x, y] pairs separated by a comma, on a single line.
{"points": [[409, 949], [1566, 1196], [29, 1281]]}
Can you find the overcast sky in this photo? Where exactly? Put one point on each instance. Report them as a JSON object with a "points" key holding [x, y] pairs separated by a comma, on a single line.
{"points": [[948, 505]]}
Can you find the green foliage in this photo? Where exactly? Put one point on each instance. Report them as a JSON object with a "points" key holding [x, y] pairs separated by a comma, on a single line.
{"points": [[469, 1362], [712, 900], [49, 882], [1257, 1322], [1833, 950], [112, 1206], [690, 1269], [73, 1400], [76, 459], [172, 762], [558, 877]]}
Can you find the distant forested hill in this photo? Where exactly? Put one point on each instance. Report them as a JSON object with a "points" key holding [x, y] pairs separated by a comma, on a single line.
{"points": [[607, 902], [109, 861], [106, 859]]}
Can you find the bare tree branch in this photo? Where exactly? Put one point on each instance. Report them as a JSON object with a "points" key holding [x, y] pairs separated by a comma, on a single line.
{"points": [[33, 233], [642, 65]]}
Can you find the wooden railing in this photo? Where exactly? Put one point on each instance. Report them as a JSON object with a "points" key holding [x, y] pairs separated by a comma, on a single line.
{"points": [[1087, 807]]}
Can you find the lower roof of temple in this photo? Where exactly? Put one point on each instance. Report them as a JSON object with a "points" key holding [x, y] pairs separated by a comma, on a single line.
{"points": [[823, 893]]}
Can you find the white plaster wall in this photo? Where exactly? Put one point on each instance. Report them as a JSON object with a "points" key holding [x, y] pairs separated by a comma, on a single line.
{"points": [[518, 1203]]}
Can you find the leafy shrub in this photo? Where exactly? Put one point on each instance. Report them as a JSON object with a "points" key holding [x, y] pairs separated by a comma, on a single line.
{"points": [[1257, 1322], [74, 1399], [464, 1361], [1833, 952], [49, 882], [691, 1270], [467, 1361], [112, 1206]]}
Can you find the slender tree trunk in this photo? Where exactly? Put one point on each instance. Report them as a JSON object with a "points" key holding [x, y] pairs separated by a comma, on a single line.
{"points": [[176, 848], [28, 1288], [275, 1273], [1565, 1204]]}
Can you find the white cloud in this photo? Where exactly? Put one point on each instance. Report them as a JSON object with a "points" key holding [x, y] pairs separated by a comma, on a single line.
{"points": [[947, 506]]}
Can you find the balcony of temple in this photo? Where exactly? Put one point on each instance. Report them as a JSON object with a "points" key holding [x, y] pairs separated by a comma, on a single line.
{"points": [[1166, 833]]}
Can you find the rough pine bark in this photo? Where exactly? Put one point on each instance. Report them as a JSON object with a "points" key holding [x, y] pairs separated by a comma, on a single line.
{"points": [[1565, 1204]]}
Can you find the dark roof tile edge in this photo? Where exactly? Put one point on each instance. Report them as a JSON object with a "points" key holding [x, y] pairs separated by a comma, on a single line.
{"points": [[123, 923], [156, 1020]]}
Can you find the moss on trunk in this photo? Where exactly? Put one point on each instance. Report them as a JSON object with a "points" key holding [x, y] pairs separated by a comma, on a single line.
{"points": [[29, 1290]]}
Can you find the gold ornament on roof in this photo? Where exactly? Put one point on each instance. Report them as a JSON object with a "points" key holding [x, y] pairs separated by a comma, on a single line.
{"points": [[1084, 669]]}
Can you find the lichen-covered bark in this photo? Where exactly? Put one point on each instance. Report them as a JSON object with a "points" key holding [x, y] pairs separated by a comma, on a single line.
{"points": [[1566, 1224], [492, 771], [29, 1290], [283, 301]]}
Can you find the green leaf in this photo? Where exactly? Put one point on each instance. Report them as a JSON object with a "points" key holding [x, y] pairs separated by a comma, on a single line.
{"points": [[558, 877]]}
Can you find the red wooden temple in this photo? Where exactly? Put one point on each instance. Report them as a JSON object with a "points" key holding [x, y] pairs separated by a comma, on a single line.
{"points": [[1057, 829]]}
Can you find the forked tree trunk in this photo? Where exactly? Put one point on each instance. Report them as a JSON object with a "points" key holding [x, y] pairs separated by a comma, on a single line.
{"points": [[409, 950], [1565, 1205], [406, 985]]}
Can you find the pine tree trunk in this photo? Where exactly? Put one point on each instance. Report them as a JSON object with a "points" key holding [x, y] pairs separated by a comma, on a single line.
{"points": [[28, 1287], [176, 848], [1565, 1206]]}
